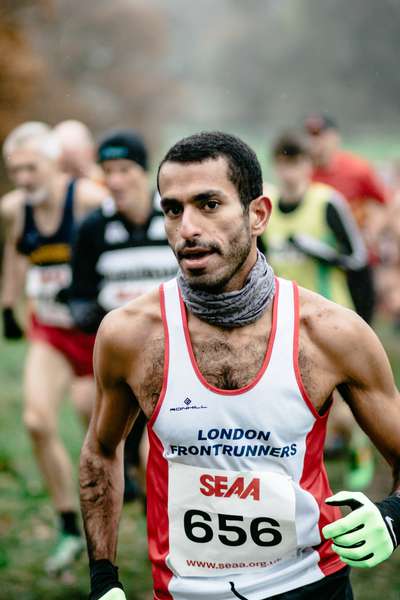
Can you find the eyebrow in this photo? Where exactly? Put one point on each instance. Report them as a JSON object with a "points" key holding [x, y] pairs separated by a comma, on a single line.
{"points": [[201, 197]]}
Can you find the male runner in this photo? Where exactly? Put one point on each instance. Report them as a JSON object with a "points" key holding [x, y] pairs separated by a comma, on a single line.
{"points": [[40, 226], [355, 179], [312, 238], [235, 371], [120, 252]]}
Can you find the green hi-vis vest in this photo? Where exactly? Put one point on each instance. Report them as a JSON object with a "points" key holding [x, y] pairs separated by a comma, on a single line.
{"points": [[309, 218]]}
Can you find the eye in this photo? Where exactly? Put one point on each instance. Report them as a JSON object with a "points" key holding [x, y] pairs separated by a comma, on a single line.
{"points": [[211, 204], [172, 210]]}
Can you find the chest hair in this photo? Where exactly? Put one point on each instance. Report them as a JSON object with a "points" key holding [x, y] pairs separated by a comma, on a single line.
{"points": [[226, 366], [222, 364]]}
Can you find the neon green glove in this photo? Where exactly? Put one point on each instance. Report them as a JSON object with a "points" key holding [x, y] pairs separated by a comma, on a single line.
{"points": [[361, 539], [114, 594]]}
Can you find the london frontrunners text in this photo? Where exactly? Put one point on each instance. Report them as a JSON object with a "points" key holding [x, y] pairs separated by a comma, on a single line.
{"points": [[237, 451]]}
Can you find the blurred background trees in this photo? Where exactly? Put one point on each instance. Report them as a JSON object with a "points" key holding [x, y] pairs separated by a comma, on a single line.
{"points": [[171, 67]]}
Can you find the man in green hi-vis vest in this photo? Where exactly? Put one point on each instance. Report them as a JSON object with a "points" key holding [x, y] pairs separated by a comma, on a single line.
{"points": [[313, 239]]}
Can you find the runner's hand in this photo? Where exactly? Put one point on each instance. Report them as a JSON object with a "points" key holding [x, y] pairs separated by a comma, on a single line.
{"points": [[363, 538], [11, 329]]}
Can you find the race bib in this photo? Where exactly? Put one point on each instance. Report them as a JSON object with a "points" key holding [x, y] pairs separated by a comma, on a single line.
{"points": [[228, 521], [42, 287], [116, 294]]}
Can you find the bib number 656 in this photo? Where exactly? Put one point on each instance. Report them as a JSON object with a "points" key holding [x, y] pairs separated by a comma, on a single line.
{"points": [[198, 529]]}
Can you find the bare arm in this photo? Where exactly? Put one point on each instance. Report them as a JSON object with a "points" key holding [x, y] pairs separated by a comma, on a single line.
{"points": [[369, 388], [101, 465], [370, 533], [14, 264], [13, 273]]}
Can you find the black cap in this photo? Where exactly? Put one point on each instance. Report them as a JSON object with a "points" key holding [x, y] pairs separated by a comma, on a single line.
{"points": [[316, 123], [123, 143]]}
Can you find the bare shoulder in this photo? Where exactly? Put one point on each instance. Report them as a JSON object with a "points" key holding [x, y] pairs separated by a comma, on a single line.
{"points": [[12, 214], [339, 333], [11, 205], [126, 333], [89, 194]]}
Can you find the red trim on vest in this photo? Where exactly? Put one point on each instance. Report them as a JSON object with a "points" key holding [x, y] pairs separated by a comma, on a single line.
{"points": [[265, 362], [157, 516], [166, 357], [314, 479], [157, 486]]}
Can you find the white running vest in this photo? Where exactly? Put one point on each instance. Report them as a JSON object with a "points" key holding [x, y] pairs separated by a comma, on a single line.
{"points": [[236, 480]]}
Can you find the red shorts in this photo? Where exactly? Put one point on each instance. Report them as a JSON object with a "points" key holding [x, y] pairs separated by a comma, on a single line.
{"points": [[74, 344]]}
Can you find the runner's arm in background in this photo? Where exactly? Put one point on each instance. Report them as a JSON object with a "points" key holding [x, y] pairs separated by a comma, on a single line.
{"points": [[350, 253], [85, 285], [13, 272], [101, 465], [370, 533]]}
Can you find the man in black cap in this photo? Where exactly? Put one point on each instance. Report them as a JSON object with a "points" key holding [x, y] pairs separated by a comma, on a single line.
{"points": [[121, 250]]}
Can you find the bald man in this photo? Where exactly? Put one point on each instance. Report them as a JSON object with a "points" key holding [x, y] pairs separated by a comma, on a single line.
{"points": [[77, 150]]}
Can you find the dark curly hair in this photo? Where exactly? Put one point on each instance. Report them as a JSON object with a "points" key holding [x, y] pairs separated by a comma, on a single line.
{"points": [[244, 169]]}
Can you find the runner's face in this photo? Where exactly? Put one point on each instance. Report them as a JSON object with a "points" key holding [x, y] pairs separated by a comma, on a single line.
{"points": [[127, 182], [31, 172], [293, 173], [207, 229], [323, 144]]}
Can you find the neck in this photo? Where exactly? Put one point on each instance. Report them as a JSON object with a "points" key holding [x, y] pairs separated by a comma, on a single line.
{"points": [[235, 307], [239, 278]]}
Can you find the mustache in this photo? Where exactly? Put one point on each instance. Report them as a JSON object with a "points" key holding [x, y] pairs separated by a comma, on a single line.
{"points": [[199, 245]]}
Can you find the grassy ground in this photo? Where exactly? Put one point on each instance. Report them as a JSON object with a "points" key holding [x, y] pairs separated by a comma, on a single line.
{"points": [[27, 520]]}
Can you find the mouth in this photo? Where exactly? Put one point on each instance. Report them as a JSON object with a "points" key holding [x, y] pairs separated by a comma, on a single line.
{"points": [[195, 258]]}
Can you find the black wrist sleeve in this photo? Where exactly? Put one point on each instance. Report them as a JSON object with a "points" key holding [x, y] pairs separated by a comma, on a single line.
{"points": [[390, 511], [11, 329], [87, 314], [103, 577]]}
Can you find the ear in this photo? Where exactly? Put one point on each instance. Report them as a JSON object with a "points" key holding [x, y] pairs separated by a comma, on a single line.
{"points": [[259, 212]]}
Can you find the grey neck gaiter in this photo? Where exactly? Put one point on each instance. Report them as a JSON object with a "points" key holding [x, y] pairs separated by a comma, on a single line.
{"points": [[237, 308]]}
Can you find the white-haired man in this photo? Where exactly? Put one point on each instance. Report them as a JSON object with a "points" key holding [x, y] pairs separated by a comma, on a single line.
{"points": [[40, 216]]}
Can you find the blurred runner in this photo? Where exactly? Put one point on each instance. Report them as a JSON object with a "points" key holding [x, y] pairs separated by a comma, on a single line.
{"points": [[388, 270], [78, 153], [313, 239], [355, 179], [41, 214], [121, 252]]}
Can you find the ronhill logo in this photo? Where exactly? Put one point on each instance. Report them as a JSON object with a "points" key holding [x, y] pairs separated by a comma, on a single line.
{"points": [[187, 405]]}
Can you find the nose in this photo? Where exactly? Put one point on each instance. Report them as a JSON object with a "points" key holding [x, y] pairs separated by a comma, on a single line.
{"points": [[190, 226], [115, 183]]}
